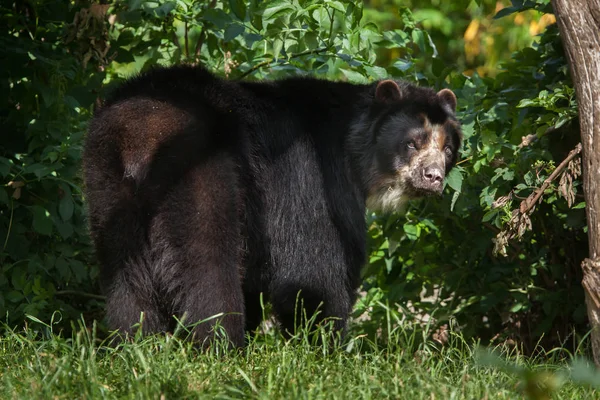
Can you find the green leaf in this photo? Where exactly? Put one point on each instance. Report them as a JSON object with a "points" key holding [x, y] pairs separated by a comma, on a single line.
{"points": [[276, 8], [412, 231], [312, 40], [79, 270], [377, 72], [389, 264], [239, 8], [218, 17], [527, 103], [3, 196], [42, 223], [488, 216], [529, 178], [455, 179], [63, 268], [14, 296], [336, 5], [357, 13], [403, 65], [291, 46], [406, 17], [277, 46], [454, 199], [233, 31], [40, 170], [505, 12], [516, 307], [4, 166], [322, 17], [257, 21], [354, 77], [468, 129], [393, 245], [508, 175], [65, 207], [418, 36], [65, 229], [19, 279], [165, 9]]}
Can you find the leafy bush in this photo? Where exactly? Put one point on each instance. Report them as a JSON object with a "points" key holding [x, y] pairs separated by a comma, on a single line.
{"points": [[518, 127], [47, 92]]}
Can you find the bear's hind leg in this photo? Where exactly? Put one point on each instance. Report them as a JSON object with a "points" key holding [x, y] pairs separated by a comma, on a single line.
{"points": [[131, 300], [119, 226], [302, 304], [199, 230]]}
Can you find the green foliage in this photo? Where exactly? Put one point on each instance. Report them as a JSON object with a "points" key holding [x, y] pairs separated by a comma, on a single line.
{"points": [[435, 263], [257, 39], [468, 34], [47, 94], [518, 127]]}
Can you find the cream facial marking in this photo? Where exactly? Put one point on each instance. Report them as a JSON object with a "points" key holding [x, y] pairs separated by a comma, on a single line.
{"points": [[391, 193], [432, 152]]}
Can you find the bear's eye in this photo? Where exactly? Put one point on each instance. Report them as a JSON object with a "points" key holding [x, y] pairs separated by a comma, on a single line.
{"points": [[448, 151], [411, 145]]}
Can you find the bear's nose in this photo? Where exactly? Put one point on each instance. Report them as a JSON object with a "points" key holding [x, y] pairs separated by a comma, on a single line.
{"points": [[433, 174]]}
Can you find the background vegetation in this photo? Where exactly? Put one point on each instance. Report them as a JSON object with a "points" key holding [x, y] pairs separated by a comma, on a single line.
{"points": [[467, 261]]}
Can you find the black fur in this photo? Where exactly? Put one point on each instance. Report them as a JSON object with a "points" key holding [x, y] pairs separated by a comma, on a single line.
{"points": [[204, 193]]}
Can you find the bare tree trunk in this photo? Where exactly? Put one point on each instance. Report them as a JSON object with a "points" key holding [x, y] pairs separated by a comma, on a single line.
{"points": [[579, 24]]}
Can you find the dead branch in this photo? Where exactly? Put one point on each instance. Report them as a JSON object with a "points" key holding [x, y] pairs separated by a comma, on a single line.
{"points": [[530, 201]]}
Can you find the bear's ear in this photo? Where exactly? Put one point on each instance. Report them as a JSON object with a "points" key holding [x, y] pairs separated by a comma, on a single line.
{"points": [[388, 91], [448, 99]]}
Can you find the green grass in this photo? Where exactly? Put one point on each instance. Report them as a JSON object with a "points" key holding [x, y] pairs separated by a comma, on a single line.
{"points": [[38, 364]]}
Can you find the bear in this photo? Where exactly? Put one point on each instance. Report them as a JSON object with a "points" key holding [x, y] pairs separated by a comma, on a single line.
{"points": [[205, 194]]}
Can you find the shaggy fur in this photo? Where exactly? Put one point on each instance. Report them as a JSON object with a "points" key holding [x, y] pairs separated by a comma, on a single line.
{"points": [[204, 193]]}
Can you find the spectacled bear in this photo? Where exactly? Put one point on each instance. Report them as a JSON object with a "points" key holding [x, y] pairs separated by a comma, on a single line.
{"points": [[204, 193]]}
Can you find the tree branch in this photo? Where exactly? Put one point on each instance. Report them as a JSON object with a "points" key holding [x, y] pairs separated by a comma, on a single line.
{"points": [[199, 44], [530, 201], [269, 61]]}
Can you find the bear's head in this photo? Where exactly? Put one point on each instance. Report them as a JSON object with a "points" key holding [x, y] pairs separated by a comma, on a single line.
{"points": [[415, 140]]}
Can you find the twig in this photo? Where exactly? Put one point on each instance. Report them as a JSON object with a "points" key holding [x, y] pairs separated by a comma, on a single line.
{"points": [[185, 37], [464, 160], [331, 19], [269, 61], [10, 222], [529, 139], [530, 201], [80, 294]]}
